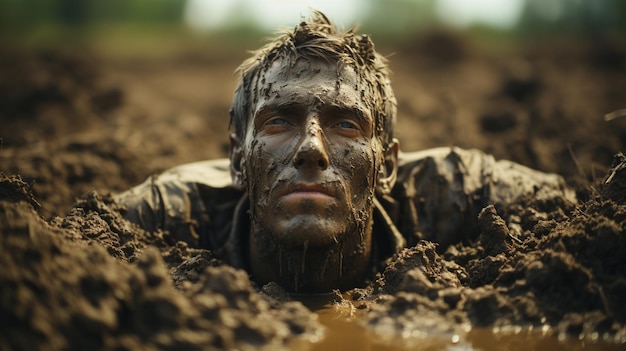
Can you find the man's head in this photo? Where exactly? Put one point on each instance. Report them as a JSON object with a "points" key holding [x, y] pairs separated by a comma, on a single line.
{"points": [[313, 116], [317, 39]]}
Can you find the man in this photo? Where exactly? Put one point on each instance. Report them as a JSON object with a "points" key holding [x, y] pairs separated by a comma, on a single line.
{"points": [[318, 195]]}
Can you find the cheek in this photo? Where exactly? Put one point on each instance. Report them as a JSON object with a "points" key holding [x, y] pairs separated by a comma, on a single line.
{"points": [[263, 166], [358, 165], [267, 158], [255, 163]]}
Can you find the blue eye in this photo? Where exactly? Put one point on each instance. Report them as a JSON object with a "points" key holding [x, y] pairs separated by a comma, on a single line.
{"points": [[276, 121], [347, 125]]}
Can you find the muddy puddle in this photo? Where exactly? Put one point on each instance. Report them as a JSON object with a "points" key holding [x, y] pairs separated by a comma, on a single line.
{"points": [[345, 330]]}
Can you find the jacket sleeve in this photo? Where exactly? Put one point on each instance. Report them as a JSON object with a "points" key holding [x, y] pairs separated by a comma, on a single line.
{"points": [[183, 201]]}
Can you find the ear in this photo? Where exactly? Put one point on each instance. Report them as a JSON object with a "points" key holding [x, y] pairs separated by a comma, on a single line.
{"points": [[236, 155], [389, 172]]}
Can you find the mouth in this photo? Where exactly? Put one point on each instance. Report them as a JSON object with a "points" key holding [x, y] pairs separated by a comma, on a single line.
{"points": [[303, 191]]}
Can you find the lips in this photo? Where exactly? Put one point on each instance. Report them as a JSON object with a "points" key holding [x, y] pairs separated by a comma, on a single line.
{"points": [[309, 191]]}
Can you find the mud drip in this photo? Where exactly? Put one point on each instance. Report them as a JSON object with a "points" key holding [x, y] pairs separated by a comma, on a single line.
{"points": [[304, 248], [340, 260]]}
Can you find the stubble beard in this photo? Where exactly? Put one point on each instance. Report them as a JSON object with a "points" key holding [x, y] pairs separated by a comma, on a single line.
{"points": [[298, 265]]}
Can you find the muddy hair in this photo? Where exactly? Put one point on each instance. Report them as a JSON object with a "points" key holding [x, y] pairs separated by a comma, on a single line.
{"points": [[318, 39]]}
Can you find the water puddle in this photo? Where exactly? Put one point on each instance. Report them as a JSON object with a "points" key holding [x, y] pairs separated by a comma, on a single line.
{"points": [[344, 331]]}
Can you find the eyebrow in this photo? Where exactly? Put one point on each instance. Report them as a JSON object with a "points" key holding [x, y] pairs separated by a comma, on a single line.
{"points": [[272, 107], [354, 110], [298, 107]]}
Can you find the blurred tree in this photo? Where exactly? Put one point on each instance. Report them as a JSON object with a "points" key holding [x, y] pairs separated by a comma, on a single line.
{"points": [[390, 18], [18, 14], [566, 16], [27, 13], [73, 13], [399, 17]]}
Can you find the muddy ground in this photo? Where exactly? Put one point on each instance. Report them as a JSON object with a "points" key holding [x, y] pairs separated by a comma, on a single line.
{"points": [[77, 126]]}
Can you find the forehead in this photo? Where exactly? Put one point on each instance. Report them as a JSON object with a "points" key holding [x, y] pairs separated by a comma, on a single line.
{"points": [[309, 82], [311, 71]]}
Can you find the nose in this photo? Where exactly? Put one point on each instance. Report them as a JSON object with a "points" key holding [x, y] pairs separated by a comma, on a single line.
{"points": [[312, 151]]}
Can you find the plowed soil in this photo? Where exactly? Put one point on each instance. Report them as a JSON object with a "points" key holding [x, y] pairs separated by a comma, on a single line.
{"points": [[75, 275]]}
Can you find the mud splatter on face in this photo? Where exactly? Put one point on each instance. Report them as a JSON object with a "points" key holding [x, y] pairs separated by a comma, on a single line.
{"points": [[312, 161]]}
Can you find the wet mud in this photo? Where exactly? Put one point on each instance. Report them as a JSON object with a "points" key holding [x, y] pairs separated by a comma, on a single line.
{"points": [[92, 280], [77, 275], [560, 269]]}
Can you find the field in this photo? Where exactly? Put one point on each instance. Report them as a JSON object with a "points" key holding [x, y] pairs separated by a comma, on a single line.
{"points": [[78, 126]]}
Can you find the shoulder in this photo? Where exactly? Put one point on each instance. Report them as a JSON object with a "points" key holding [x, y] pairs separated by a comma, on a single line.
{"points": [[212, 173], [446, 154], [440, 191], [476, 172], [182, 200]]}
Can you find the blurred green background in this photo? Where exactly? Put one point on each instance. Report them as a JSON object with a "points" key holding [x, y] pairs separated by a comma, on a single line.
{"points": [[139, 26]]}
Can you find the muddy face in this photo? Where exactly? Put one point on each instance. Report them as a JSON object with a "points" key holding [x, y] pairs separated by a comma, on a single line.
{"points": [[311, 155]]}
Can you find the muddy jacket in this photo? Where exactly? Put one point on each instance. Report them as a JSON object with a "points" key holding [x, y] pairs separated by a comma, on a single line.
{"points": [[438, 195]]}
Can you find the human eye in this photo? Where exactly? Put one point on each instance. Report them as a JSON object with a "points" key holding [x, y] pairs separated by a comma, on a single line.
{"points": [[276, 121], [347, 125], [348, 128], [275, 125]]}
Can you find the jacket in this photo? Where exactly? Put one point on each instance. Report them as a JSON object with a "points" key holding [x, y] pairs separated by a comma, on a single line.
{"points": [[438, 196]]}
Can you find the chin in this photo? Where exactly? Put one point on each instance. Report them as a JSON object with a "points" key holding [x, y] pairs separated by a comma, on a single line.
{"points": [[308, 230]]}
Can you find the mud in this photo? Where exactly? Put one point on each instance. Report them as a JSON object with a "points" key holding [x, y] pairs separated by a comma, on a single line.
{"points": [[561, 269], [76, 275], [92, 280]]}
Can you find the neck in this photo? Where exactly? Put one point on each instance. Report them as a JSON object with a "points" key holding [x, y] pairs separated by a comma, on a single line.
{"points": [[308, 269]]}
